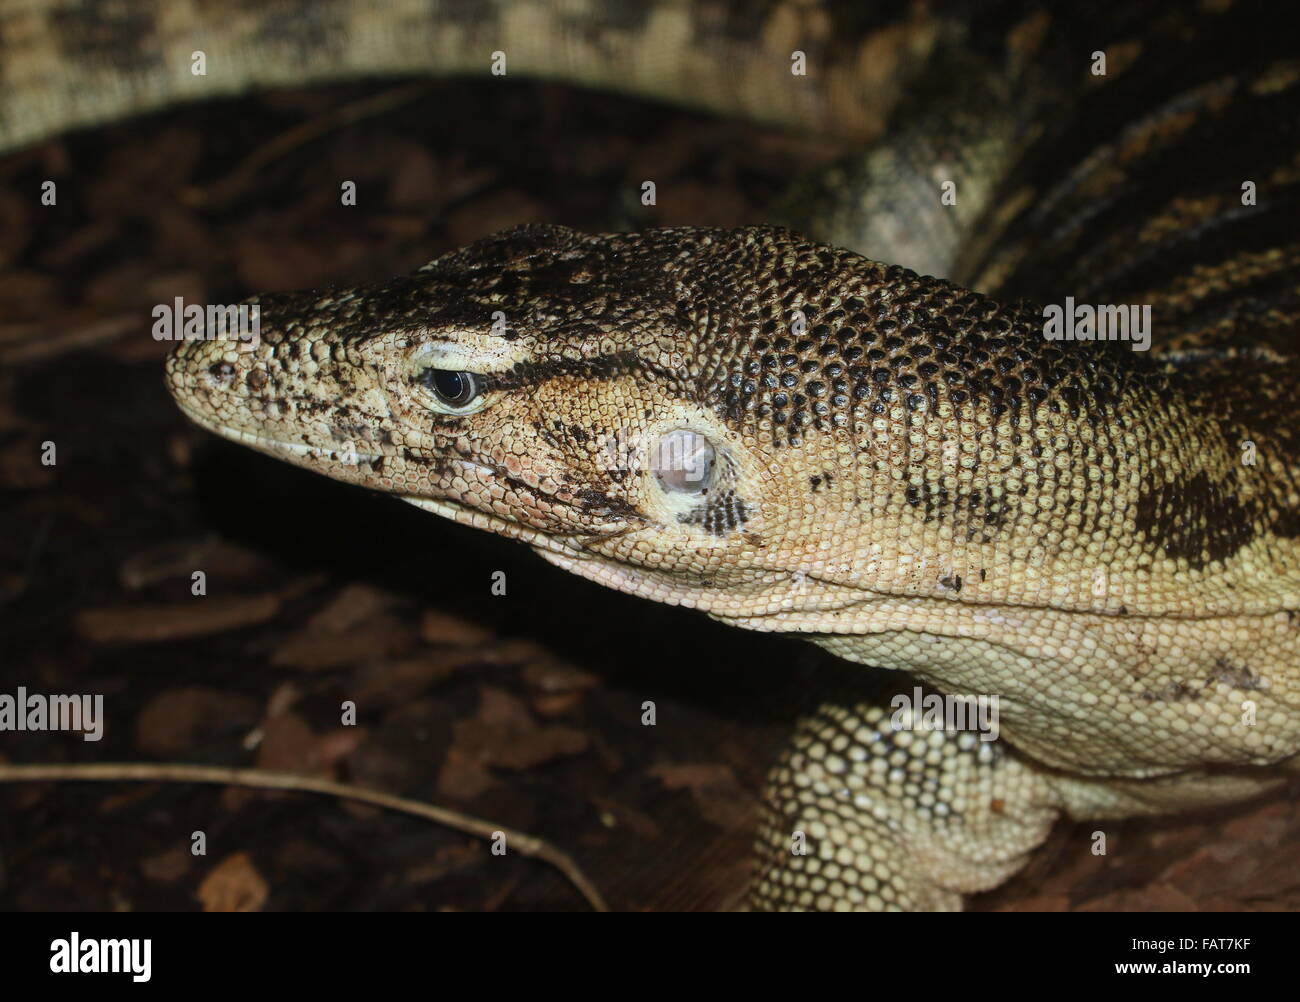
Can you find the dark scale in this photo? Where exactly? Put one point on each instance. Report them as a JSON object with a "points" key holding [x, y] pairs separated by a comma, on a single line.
{"points": [[721, 515]]}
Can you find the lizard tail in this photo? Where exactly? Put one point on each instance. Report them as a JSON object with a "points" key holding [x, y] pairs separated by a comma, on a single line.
{"points": [[66, 64]]}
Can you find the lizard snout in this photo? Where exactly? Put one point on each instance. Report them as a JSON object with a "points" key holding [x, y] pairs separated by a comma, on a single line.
{"points": [[228, 384], [206, 377]]}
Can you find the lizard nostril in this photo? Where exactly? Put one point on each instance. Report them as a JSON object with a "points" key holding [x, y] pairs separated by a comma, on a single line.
{"points": [[222, 372]]}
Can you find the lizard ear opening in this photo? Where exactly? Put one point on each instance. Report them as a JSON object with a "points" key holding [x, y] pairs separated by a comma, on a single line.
{"points": [[684, 462]]}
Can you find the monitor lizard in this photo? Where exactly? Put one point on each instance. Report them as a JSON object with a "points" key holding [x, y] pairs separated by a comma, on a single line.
{"points": [[794, 438]]}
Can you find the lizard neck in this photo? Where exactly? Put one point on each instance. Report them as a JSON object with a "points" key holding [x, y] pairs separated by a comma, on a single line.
{"points": [[983, 463]]}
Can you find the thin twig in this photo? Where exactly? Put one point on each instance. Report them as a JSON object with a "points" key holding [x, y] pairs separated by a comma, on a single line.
{"points": [[527, 844]]}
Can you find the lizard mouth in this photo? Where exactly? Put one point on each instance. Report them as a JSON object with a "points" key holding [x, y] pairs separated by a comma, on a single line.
{"points": [[572, 544], [293, 452], [559, 538], [569, 540]]}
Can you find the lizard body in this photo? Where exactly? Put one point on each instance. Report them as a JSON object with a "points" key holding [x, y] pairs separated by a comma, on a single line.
{"points": [[794, 438], [917, 481]]}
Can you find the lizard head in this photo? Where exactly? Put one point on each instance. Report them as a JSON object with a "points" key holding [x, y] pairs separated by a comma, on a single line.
{"points": [[682, 414]]}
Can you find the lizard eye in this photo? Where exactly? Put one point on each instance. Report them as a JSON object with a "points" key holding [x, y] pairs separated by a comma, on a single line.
{"points": [[455, 391]]}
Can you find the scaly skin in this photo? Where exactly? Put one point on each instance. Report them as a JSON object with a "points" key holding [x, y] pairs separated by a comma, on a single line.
{"points": [[915, 479]]}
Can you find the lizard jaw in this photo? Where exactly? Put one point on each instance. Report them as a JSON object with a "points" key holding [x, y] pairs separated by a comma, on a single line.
{"points": [[313, 457], [348, 465], [570, 546]]}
